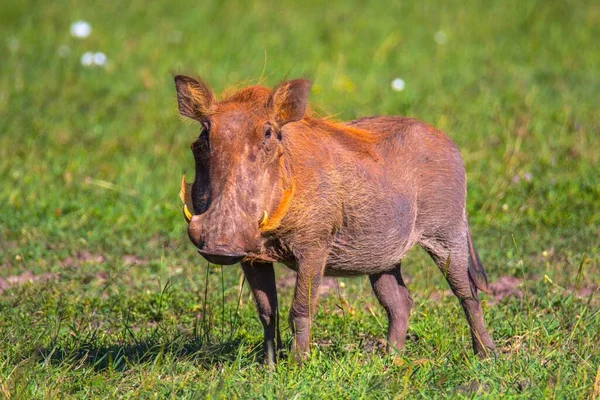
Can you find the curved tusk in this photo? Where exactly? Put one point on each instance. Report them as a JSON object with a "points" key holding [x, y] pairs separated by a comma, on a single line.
{"points": [[185, 197], [186, 213], [273, 222], [264, 220]]}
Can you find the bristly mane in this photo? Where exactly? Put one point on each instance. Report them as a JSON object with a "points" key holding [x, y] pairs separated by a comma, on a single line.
{"points": [[260, 95], [251, 94]]}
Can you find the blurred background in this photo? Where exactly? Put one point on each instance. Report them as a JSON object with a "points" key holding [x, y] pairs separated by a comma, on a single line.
{"points": [[86, 146], [92, 147]]}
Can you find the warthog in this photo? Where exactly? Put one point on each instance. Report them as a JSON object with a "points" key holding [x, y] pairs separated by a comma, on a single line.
{"points": [[275, 184]]}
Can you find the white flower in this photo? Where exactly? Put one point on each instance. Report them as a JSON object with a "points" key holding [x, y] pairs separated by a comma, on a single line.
{"points": [[81, 29], [440, 37], [398, 84], [87, 59], [90, 59], [99, 58]]}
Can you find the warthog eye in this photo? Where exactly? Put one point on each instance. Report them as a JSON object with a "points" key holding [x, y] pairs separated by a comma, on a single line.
{"points": [[268, 131]]}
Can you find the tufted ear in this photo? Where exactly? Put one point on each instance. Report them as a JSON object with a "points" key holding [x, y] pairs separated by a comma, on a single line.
{"points": [[194, 97], [289, 100]]}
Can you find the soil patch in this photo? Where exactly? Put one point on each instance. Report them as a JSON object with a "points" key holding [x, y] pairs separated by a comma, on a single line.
{"points": [[25, 277], [130, 259], [83, 257], [503, 287]]}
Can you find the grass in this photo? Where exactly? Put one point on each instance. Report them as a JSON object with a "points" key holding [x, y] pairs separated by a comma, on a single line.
{"points": [[103, 295]]}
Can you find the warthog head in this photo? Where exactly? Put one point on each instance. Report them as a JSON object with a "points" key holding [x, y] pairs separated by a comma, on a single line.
{"points": [[243, 182]]}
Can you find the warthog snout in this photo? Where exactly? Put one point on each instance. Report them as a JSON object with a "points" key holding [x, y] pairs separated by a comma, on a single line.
{"points": [[194, 231], [223, 252]]}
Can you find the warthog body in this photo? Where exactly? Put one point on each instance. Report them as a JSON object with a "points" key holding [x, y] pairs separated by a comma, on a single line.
{"points": [[274, 184]]}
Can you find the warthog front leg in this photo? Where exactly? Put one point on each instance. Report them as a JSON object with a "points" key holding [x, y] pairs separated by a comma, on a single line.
{"points": [[261, 278], [393, 295], [304, 304]]}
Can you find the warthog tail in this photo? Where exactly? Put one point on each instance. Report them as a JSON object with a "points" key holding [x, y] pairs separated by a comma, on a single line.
{"points": [[477, 274]]}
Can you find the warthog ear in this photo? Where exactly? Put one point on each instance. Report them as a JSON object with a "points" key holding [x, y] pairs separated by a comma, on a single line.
{"points": [[194, 97], [289, 101]]}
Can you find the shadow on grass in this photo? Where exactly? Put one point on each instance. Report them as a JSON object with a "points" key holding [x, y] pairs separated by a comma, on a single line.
{"points": [[120, 357]]}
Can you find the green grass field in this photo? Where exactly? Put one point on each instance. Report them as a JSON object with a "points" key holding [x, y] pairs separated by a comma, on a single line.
{"points": [[101, 293]]}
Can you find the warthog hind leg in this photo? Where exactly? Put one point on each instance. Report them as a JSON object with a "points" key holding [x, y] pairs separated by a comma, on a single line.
{"points": [[454, 255]]}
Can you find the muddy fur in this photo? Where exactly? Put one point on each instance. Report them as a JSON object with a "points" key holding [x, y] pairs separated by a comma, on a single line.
{"points": [[343, 199]]}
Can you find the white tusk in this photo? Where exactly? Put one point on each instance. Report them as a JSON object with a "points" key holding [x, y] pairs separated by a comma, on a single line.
{"points": [[186, 198], [264, 219], [187, 214]]}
